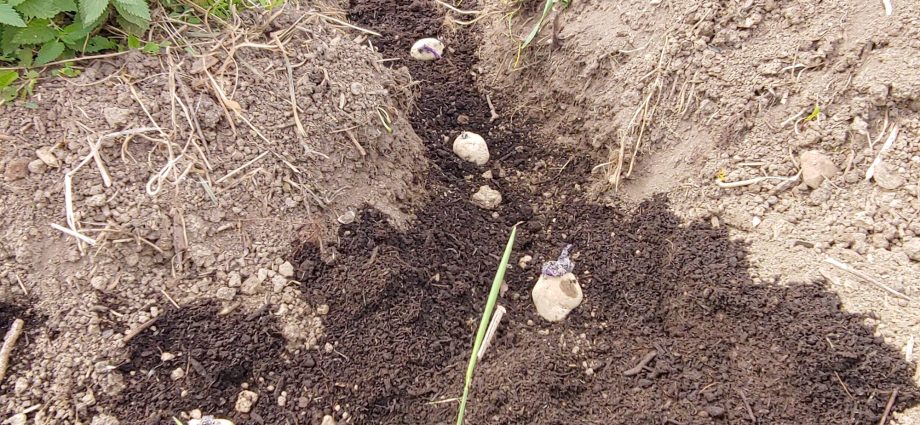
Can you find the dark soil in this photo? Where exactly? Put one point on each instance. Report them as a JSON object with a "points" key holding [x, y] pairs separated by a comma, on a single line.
{"points": [[405, 304]]}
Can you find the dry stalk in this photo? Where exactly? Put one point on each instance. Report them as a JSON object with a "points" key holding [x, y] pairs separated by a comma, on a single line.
{"points": [[290, 78], [9, 342], [242, 167], [490, 332], [865, 277], [878, 158]]}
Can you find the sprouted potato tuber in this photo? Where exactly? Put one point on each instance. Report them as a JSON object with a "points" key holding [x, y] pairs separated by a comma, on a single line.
{"points": [[427, 49]]}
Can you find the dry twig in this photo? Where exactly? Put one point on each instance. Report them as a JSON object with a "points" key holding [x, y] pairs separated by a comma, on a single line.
{"points": [[849, 269], [9, 341]]}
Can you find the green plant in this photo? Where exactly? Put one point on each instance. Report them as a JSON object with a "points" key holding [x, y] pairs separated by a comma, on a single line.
{"points": [[37, 32], [484, 323], [547, 8]]}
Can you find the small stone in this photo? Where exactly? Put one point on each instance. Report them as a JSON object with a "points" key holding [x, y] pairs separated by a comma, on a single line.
{"points": [[471, 147], [95, 201], [322, 310], [46, 154], [887, 178], [347, 217], [556, 297], [308, 361], [328, 347], [282, 399], [816, 167], [463, 119], [19, 419], [116, 117], [104, 420], [234, 280], [357, 88], [16, 169], [278, 283], [286, 269], [487, 198], [195, 414], [912, 249], [226, 294], [37, 166], [487, 175], [177, 374], [245, 400], [524, 262], [166, 356], [328, 420], [21, 385], [251, 286], [715, 411]]}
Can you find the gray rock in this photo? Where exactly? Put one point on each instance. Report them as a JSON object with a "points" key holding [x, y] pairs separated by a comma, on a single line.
{"points": [[286, 269], [226, 294], [816, 167], [37, 166], [251, 285], [487, 198], [912, 249], [887, 178], [116, 117]]}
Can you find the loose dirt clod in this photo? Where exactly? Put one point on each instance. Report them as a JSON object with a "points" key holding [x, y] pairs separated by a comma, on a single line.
{"points": [[816, 167]]}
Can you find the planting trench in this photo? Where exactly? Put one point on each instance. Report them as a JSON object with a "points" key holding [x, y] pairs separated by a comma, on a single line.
{"points": [[404, 304]]}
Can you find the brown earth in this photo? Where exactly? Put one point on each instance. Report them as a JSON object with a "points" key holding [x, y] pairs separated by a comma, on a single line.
{"points": [[403, 304], [375, 324]]}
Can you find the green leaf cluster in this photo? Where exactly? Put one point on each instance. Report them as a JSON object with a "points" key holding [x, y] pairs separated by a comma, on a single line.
{"points": [[37, 32]]}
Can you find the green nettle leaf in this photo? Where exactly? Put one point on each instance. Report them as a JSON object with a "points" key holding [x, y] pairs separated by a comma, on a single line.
{"points": [[38, 31], [135, 11], [8, 94], [25, 57], [66, 5], [90, 10], [14, 3], [131, 27], [7, 78], [133, 42], [42, 9], [49, 52], [9, 16], [151, 48], [99, 43], [6, 40]]}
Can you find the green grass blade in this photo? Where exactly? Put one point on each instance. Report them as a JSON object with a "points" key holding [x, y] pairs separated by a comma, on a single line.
{"points": [[536, 28], [484, 323]]}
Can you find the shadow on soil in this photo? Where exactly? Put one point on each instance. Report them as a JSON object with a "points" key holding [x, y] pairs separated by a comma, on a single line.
{"points": [[404, 307]]}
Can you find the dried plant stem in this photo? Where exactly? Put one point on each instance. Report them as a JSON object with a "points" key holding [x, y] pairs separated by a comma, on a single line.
{"points": [[9, 342]]}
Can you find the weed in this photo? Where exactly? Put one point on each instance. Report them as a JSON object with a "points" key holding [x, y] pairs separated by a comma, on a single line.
{"points": [[37, 32], [484, 323], [547, 8]]}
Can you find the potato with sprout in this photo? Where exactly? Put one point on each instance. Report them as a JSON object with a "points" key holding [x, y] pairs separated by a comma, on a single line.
{"points": [[427, 49]]}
